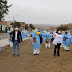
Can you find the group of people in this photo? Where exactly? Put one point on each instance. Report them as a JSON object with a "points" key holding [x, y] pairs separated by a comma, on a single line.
{"points": [[61, 39], [67, 40]]}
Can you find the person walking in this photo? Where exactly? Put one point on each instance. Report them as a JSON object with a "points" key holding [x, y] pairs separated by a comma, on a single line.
{"points": [[16, 40]]}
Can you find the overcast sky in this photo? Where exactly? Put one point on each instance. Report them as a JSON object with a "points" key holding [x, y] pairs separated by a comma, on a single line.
{"points": [[40, 11]]}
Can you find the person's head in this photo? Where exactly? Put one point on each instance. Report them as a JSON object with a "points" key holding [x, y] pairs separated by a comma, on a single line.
{"points": [[16, 28], [59, 32], [11, 29], [65, 32]]}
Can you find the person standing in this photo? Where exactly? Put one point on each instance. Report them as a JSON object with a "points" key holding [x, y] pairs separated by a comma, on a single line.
{"points": [[67, 41], [44, 36], [23, 35], [63, 38], [36, 45], [10, 37], [32, 33], [49, 36], [57, 42], [16, 40]]}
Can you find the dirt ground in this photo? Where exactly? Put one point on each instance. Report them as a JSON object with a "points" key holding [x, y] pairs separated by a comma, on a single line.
{"points": [[27, 62]]}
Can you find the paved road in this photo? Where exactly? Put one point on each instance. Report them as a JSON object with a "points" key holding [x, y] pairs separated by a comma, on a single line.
{"points": [[4, 35], [4, 42]]}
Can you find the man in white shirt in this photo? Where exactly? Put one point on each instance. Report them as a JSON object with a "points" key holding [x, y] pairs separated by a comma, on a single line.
{"points": [[16, 40]]}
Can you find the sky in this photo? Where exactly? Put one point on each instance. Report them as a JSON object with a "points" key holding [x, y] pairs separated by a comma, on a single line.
{"points": [[53, 12]]}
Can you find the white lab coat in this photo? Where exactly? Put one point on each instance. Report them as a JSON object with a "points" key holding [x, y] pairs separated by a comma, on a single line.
{"points": [[57, 39]]}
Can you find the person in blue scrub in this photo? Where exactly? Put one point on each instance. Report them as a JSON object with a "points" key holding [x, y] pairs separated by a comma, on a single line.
{"points": [[32, 33], [44, 36], [49, 36], [23, 35], [63, 44], [10, 41], [67, 41], [26, 33], [36, 45]]}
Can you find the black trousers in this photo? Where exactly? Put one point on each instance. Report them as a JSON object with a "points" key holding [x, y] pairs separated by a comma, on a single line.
{"points": [[57, 47]]}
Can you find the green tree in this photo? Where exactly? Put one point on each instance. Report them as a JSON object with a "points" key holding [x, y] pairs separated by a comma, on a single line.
{"points": [[31, 26], [11, 24], [16, 24], [3, 8], [26, 27]]}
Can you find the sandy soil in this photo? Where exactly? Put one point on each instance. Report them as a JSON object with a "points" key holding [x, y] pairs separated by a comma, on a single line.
{"points": [[27, 62]]}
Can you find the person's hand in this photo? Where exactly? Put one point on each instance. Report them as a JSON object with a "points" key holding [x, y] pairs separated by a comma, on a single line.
{"points": [[11, 31]]}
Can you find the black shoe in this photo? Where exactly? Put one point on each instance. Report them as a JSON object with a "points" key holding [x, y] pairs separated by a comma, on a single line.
{"points": [[18, 55], [54, 55], [67, 50], [13, 54], [34, 54], [58, 55], [37, 54]]}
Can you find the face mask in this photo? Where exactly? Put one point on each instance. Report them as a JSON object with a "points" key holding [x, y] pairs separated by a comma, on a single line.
{"points": [[16, 28]]}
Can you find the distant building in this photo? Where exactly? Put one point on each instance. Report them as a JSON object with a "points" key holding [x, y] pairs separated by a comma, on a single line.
{"points": [[67, 25], [6, 24]]}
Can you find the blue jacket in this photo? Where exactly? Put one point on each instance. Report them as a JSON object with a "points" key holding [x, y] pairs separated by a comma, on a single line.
{"points": [[23, 35], [8, 32], [49, 36], [63, 35], [33, 33], [36, 45], [44, 37], [68, 40]]}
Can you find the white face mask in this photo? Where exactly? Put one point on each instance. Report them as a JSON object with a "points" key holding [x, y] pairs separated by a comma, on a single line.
{"points": [[16, 28], [11, 29]]}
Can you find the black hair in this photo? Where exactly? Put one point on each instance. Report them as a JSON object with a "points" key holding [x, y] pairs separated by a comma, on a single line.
{"points": [[65, 32], [15, 26]]}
